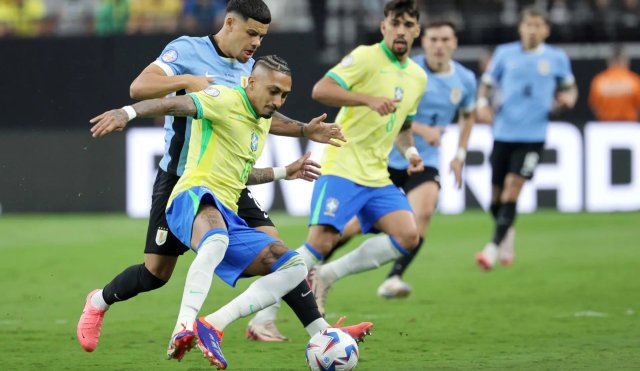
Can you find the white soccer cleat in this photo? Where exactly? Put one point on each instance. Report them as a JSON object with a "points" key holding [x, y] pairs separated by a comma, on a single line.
{"points": [[319, 286], [487, 258], [394, 287], [506, 252], [264, 331]]}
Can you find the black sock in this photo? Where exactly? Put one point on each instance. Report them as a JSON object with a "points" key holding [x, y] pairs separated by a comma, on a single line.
{"points": [[505, 219], [129, 283], [403, 262], [336, 247], [301, 301], [495, 207]]}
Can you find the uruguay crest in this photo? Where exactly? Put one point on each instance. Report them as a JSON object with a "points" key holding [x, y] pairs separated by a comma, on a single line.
{"points": [[544, 67], [456, 95], [161, 236]]}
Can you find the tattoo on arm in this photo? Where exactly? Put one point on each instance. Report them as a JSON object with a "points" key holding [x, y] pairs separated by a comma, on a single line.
{"points": [[181, 106], [404, 140], [260, 176], [283, 125]]}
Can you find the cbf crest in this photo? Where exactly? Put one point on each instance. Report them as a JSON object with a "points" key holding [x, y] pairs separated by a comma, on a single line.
{"points": [[331, 206], [254, 142], [399, 93], [456, 95]]}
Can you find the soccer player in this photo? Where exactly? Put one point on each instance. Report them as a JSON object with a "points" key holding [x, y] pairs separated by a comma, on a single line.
{"points": [[451, 90], [191, 64], [226, 137], [379, 89], [533, 80]]}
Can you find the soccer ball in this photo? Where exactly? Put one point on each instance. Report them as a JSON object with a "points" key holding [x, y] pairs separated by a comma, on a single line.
{"points": [[332, 349]]}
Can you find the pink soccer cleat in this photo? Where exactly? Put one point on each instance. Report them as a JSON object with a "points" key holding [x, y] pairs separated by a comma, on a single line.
{"points": [[357, 332], [487, 258], [264, 331], [89, 325]]}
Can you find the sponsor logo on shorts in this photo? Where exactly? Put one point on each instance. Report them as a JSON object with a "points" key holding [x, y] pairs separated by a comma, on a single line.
{"points": [[331, 206], [170, 56], [161, 236]]}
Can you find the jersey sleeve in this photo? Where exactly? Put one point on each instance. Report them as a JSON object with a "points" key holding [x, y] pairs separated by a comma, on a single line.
{"points": [[468, 101], [208, 103], [494, 72], [174, 59], [353, 68], [565, 75]]}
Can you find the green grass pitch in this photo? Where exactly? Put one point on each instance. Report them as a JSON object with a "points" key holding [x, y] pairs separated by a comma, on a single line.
{"points": [[570, 301]]}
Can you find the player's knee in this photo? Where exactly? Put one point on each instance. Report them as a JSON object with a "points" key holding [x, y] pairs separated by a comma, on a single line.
{"points": [[324, 243], [295, 266], [424, 216], [160, 267], [148, 281], [408, 238]]}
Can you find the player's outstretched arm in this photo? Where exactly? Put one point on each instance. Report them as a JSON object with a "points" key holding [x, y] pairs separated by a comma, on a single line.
{"points": [[303, 168], [404, 143], [316, 130], [328, 91], [117, 119], [154, 83], [484, 112], [466, 121], [565, 99]]}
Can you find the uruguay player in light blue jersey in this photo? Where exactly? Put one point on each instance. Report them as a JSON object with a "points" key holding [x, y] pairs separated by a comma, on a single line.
{"points": [[451, 90], [533, 79]]}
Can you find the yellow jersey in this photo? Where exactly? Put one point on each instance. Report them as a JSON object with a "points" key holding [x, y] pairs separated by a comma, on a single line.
{"points": [[375, 71], [226, 139]]}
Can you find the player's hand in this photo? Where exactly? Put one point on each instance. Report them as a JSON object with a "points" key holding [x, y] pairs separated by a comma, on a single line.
{"points": [[430, 134], [382, 105], [322, 132], [114, 120], [564, 100], [485, 115], [415, 165], [303, 168], [197, 83], [456, 169]]}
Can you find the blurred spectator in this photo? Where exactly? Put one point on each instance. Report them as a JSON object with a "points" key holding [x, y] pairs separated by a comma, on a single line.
{"points": [[289, 15], [72, 17], [112, 17], [203, 16], [22, 17], [615, 92], [154, 16]]}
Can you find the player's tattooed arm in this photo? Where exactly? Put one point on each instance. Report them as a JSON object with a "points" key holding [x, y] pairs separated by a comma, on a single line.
{"points": [[117, 119], [260, 176], [404, 143], [316, 130], [303, 168]]}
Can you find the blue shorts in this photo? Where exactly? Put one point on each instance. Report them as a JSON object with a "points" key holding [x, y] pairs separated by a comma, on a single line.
{"points": [[336, 200], [245, 243]]}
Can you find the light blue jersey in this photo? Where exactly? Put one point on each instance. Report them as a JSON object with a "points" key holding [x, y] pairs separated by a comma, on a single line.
{"points": [[197, 56], [446, 93], [527, 82]]}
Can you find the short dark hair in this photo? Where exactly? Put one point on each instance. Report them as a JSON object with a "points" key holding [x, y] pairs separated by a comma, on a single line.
{"points": [[400, 7], [274, 63], [440, 23], [254, 9], [534, 11]]}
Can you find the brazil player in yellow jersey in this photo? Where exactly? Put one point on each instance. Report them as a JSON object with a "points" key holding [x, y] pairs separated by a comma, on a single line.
{"points": [[379, 88], [227, 136]]}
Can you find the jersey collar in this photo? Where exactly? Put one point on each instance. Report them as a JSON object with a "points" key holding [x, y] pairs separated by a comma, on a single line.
{"points": [[246, 100], [392, 57]]}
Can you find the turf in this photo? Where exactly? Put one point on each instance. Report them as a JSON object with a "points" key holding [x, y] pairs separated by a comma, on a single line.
{"points": [[571, 300]]}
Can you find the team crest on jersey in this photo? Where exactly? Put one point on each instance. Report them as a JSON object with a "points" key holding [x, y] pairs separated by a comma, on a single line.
{"points": [[212, 91], [254, 142], [544, 67], [456, 95], [399, 93], [170, 56], [331, 206], [244, 81], [347, 61], [161, 236]]}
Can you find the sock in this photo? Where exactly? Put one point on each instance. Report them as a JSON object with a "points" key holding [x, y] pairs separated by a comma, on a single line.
{"points": [[310, 255], [371, 254], [317, 326], [336, 247], [402, 263], [98, 301], [288, 272], [303, 304], [129, 283], [268, 314], [495, 207], [505, 219], [210, 253]]}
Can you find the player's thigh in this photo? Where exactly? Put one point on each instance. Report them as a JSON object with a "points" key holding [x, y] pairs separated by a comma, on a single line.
{"points": [[402, 226], [207, 218], [352, 229], [500, 162], [265, 260]]}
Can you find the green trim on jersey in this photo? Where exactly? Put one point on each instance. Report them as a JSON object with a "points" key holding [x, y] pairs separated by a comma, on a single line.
{"points": [[392, 57], [207, 131], [246, 100], [338, 79], [196, 101], [316, 211], [410, 118]]}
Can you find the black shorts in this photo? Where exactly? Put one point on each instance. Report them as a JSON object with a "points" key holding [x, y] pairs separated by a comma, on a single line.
{"points": [[249, 209], [406, 182], [514, 157], [160, 240]]}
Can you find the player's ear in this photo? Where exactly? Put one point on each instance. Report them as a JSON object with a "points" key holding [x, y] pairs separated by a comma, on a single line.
{"points": [[383, 27], [229, 21]]}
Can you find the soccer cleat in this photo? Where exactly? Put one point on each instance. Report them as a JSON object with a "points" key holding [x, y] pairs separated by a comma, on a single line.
{"points": [[319, 286], [265, 331], [181, 342], [89, 325], [486, 259], [394, 287], [357, 332], [506, 252], [209, 342]]}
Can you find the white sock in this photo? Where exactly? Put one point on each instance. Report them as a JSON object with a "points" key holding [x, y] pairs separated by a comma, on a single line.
{"points": [[317, 326], [98, 301], [371, 254], [262, 293], [268, 314], [310, 260], [199, 278]]}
